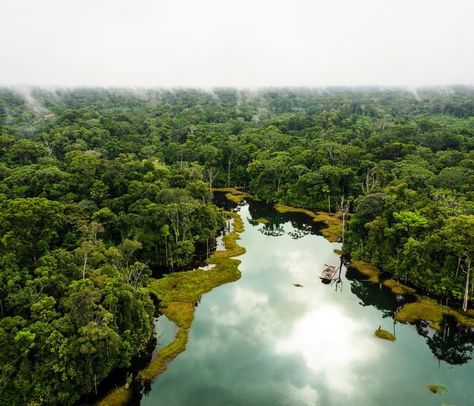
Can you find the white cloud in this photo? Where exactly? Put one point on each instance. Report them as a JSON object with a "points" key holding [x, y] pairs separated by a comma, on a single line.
{"points": [[243, 43]]}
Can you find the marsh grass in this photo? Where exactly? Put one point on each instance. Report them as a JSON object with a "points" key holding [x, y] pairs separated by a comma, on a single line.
{"points": [[178, 293], [262, 220], [398, 288], [233, 194], [165, 355], [118, 397], [436, 388], [333, 222], [372, 273], [384, 334], [431, 311]]}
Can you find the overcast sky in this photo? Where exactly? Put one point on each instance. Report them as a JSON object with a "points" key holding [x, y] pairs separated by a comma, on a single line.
{"points": [[244, 43]]}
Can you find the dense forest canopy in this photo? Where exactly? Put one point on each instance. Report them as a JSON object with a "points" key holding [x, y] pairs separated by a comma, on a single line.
{"points": [[100, 189]]}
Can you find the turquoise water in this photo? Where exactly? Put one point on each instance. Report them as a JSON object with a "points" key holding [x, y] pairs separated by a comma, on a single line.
{"points": [[263, 341]]}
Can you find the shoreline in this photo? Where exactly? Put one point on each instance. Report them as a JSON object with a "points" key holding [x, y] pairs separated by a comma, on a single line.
{"points": [[177, 294]]}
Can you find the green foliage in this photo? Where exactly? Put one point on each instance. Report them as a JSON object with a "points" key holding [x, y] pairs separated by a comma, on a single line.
{"points": [[101, 189]]}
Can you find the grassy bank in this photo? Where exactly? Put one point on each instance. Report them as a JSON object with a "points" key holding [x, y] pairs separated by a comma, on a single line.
{"points": [[332, 221], [424, 308], [233, 194], [118, 397], [428, 309], [178, 292], [371, 272]]}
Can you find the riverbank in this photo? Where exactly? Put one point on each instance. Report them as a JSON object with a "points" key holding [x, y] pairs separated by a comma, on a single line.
{"points": [[234, 194], [333, 221], [424, 308], [178, 294]]}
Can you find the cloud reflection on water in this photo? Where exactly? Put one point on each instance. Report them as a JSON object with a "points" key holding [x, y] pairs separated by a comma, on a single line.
{"points": [[332, 345], [264, 341]]}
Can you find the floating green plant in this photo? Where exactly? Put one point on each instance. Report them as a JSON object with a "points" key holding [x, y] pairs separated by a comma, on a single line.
{"points": [[384, 334], [436, 388]]}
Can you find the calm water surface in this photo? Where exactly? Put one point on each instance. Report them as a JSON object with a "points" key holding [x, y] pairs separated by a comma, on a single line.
{"points": [[263, 341]]}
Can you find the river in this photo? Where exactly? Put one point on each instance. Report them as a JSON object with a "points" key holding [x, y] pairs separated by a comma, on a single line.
{"points": [[263, 341]]}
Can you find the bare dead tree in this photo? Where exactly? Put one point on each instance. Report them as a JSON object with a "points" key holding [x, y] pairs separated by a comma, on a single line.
{"points": [[135, 274], [211, 174], [467, 271], [369, 183], [343, 208], [90, 232]]}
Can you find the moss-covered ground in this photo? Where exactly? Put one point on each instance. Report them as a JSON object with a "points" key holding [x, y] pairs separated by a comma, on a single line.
{"points": [[332, 221]]}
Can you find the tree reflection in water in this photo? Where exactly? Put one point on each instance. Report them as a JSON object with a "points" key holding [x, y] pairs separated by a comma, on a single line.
{"points": [[452, 344]]}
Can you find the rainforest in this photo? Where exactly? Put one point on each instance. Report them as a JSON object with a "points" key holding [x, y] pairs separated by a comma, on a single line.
{"points": [[120, 205]]}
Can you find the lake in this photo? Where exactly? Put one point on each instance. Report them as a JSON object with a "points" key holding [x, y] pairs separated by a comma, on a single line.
{"points": [[263, 341]]}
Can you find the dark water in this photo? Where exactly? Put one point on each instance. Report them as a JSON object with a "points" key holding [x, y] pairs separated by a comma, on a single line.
{"points": [[263, 341]]}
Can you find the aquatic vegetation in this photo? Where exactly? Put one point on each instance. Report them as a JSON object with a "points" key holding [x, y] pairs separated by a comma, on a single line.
{"points": [[298, 285], [262, 220], [436, 388], [234, 194], [178, 292], [182, 313], [118, 397], [429, 310], [398, 288], [337, 251], [165, 355], [368, 270], [283, 208], [333, 221], [423, 309], [384, 334]]}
